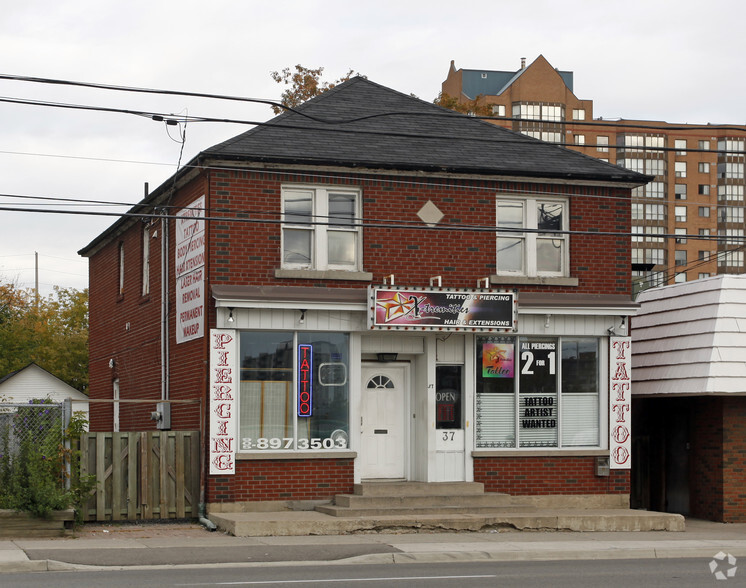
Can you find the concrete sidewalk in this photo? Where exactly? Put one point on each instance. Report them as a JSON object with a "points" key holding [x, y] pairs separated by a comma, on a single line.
{"points": [[146, 546]]}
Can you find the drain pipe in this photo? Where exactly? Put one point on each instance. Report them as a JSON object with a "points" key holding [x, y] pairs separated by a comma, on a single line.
{"points": [[203, 519]]}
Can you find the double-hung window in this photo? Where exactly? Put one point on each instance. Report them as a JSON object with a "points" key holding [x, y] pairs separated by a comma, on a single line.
{"points": [[540, 251], [321, 228]]}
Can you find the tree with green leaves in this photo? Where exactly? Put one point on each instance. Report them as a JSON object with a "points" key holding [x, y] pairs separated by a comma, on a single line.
{"points": [[304, 83], [53, 332]]}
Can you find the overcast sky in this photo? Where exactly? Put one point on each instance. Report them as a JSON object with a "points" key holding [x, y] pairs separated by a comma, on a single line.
{"points": [[677, 61]]}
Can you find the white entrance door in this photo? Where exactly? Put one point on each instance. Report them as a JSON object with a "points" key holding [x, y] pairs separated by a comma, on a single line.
{"points": [[383, 410]]}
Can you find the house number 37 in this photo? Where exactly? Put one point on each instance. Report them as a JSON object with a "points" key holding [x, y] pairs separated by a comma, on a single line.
{"points": [[448, 435]]}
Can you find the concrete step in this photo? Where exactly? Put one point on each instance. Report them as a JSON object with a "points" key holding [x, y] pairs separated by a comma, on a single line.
{"points": [[409, 511], [387, 488], [286, 523], [493, 500]]}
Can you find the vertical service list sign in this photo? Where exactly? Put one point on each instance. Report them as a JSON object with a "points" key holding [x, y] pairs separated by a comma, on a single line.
{"points": [[190, 271], [224, 384], [620, 403]]}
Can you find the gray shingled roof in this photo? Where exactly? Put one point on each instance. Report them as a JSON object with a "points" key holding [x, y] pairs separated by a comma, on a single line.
{"points": [[362, 124]]}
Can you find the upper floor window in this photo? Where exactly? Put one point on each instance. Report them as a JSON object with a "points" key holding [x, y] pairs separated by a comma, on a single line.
{"points": [[320, 228], [732, 146], [578, 114], [534, 253], [539, 111], [704, 145], [649, 143], [680, 145], [730, 170], [580, 139], [121, 269], [498, 109], [680, 169], [730, 192], [655, 190], [547, 136], [602, 143]]}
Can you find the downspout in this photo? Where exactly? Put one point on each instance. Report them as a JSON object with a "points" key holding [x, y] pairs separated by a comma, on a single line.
{"points": [[208, 524], [164, 307]]}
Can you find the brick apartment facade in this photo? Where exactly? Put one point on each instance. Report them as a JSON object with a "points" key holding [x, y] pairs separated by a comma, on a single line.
{"points": [[697, 193], [310, 267]]}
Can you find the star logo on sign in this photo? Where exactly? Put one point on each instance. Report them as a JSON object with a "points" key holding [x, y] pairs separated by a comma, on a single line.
{"points": [[720, 569], [495, 357], [397, 306]]}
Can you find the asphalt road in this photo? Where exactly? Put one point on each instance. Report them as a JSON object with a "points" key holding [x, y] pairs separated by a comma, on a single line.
{"points": [[646, 573]]}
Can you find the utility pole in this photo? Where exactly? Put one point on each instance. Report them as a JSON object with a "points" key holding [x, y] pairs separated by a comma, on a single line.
{"points": [[36, 280]]}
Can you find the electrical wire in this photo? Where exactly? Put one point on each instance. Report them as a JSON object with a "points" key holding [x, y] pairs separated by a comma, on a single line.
{"points": [[134, 89]]}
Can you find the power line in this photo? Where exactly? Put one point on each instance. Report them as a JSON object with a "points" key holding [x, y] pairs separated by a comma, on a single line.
{"points": [[363, 223]]}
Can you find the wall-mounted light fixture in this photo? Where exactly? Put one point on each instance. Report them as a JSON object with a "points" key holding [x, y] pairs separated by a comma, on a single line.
{"points": [[387, 356], [230, 315], [302, 318]]}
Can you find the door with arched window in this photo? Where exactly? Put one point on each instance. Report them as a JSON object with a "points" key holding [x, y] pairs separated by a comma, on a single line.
{"points": [[383, 410]]}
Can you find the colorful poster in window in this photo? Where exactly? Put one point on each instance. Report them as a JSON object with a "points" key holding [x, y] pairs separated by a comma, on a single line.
{"points": [[620, 403], [497, 360], [442, 310]]}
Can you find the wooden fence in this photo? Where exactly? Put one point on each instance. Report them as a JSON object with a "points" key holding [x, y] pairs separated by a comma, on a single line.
{"points": [[150, 475]]}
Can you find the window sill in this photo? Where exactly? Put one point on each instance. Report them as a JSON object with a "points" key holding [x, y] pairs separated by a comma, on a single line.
{"points": [[297, 455], [547, 451], [324, 275], [537, 281]]}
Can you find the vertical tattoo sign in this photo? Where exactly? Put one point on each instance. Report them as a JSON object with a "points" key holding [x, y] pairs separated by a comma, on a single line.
{"points": [[620, 403], [224, 383]]}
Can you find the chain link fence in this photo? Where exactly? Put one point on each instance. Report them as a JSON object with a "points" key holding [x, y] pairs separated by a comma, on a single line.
{"points": [[31, 432]]}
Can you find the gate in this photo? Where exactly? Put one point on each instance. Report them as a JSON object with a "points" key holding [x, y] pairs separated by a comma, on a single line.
{"points": [[142, 475]]}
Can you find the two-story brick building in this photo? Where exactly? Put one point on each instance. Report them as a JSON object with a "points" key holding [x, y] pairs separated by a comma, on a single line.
{"points": [[372, 287]]}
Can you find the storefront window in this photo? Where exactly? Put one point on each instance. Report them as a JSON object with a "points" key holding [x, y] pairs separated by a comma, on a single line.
{"points": [[537, 392], [294, 391]]}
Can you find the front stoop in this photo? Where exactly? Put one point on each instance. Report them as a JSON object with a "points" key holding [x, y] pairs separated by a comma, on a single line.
{"points": [[411, 507], [376, 499]]}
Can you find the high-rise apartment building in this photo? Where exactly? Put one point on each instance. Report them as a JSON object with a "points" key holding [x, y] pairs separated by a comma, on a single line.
{"points": [[688, 223]]}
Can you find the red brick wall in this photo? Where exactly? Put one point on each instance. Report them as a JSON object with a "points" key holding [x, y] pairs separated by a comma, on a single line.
{"points": [[249, 252], [706, 458], [126, 328], [529, 476], [284, 479], [734, 459]]}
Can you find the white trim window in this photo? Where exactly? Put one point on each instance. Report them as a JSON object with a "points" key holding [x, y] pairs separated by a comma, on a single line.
{"points": [[321, 228], [532, 253]]}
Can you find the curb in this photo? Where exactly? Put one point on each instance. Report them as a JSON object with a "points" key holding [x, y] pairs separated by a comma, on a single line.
{"points": [[402, 558]]}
